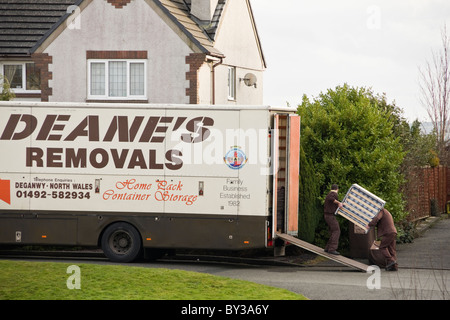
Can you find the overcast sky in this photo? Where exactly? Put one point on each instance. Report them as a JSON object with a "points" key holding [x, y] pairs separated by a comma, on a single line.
{"points": [[313, 45]]}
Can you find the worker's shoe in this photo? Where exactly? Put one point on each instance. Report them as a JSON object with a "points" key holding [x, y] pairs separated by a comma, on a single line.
{"points": [[392, 266], [333, 252]]}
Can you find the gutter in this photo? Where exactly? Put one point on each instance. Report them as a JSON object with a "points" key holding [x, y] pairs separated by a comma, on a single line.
{"points": [[213, 63]]}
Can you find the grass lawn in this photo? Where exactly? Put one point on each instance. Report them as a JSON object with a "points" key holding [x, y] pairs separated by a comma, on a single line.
{"points": [[21, 280]]}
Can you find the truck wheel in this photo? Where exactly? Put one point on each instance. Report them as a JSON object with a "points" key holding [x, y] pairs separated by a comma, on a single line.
{"points": [[121, 242]]}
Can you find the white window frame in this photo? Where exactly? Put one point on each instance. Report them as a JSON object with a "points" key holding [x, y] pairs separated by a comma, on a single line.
{"points": [[232, 83], [24, 76], [106, 95]]}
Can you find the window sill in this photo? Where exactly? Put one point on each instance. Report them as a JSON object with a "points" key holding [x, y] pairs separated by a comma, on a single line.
{"points": [[115, 101]]}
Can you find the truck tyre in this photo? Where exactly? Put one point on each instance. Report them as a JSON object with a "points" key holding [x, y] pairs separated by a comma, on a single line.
{"points": [[121, 242]]}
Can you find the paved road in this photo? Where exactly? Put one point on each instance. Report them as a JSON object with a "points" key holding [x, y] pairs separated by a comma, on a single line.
{"points": [[431, 250]]}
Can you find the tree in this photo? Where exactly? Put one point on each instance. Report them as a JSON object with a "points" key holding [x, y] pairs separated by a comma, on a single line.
{"points": [[420, 146], [421, 152], [434, 83], [347, 134]]}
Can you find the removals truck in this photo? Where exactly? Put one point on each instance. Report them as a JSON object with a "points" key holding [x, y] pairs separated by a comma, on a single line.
{"points": [[131, 178]]}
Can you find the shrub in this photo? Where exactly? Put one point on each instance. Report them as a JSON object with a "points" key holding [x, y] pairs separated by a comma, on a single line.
{"points": [[309, 207]]}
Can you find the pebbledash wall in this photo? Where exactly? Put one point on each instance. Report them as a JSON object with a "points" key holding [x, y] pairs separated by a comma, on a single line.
{"points": [[236, 39], [139, 30], [174, 72]]}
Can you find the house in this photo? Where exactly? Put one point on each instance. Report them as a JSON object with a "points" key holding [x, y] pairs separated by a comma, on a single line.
{"points": [[139, 51]]}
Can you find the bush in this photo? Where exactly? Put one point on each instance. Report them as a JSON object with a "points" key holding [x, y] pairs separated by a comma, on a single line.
{"points": [[348, 137], [6, 93], [347, 134], [405, 232], [310, 211]]}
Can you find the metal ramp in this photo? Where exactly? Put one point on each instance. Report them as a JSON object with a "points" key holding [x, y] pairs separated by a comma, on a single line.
{"points": [[310, 247]]}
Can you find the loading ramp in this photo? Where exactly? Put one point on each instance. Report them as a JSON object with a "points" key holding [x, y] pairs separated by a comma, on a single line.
{"points": [[317, 250]]}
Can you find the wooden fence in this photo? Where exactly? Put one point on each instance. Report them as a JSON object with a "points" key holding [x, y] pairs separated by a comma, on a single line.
{"points": [[427, 185]]}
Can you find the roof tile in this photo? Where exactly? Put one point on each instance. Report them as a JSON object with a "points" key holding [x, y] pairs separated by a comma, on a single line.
{"points": [[24, 22]]}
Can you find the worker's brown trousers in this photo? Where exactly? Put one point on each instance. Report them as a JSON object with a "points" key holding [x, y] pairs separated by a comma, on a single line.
{"points": [[387, 247], [335, 232]]}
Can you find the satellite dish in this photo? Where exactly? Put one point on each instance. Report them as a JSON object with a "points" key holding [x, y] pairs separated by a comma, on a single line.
{"points": [[250, 80]]}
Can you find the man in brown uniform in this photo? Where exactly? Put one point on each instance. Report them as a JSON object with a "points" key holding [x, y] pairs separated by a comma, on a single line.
{"points": [[329, 208], [388, 233]]}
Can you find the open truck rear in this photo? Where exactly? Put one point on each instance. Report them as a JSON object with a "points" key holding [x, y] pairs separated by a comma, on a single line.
{"points": [[132, 177]]}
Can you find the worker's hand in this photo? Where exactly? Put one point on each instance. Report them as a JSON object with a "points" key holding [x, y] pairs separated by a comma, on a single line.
{"points": [[340, 205]]}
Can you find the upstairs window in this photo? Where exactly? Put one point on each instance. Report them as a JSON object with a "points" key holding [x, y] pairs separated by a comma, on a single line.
{"points": [[22, 77], [117, 79]]}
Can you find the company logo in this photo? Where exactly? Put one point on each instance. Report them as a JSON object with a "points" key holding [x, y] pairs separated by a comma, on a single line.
{"points": [[235, 158], [5, 191]]}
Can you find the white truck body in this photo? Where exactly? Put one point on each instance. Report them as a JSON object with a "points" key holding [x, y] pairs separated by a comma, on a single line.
{"points": [[181, 175]]}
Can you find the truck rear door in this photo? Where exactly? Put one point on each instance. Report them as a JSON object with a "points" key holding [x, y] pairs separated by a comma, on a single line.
{"points": [[286, 169]]}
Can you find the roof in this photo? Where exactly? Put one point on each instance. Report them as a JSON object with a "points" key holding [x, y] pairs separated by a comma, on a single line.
{"points": [[211, 27], [24, 22], [179, 12]]}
